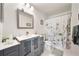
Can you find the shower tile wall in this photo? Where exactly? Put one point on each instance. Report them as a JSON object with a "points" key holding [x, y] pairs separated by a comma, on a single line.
{"points": [[56, 31]]}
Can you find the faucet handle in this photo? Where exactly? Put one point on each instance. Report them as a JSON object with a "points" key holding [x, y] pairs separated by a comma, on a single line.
{"points": [[27, 33]]}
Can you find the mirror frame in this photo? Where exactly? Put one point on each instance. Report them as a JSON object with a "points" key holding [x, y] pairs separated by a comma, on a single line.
{"points": [[18, 20]]}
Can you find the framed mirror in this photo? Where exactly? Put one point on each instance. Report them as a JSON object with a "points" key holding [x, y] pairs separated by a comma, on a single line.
{"points": [[24, 20]]}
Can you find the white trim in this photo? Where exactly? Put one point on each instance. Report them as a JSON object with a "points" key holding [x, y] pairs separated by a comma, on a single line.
{"points": [[60, 14]]}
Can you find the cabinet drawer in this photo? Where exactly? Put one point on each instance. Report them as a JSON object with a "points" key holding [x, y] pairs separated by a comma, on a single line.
{"points": [[14, 53], [30, 54], [10, 50], [1, 53]]}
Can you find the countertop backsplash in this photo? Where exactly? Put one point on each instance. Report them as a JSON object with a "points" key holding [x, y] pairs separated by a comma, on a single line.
{"points": [[6, 37]]}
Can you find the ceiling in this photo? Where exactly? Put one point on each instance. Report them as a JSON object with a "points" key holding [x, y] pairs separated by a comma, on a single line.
{"points": [[52, 8]]}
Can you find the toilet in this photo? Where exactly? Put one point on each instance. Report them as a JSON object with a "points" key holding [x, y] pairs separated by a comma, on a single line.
{"points": [[48, 45]]}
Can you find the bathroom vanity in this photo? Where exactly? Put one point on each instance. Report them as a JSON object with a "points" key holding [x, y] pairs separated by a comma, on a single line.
{"points": [[9, 49], [32, 45], [1, 52]]}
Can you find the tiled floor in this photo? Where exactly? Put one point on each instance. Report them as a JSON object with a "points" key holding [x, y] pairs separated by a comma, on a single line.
{"points": [[47, 53], [50, 52], [73, 51]]}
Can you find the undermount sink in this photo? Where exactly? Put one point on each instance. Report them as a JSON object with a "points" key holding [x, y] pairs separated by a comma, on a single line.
{"points": [[29, 35], [24, 37], [7, 43]]}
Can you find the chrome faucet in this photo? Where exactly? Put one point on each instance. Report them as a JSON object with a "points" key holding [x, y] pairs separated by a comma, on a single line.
{"points": [[4, 40]]}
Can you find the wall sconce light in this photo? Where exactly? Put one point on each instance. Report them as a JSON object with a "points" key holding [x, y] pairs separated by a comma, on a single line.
{"points": [[26, 5], [29, 6]]}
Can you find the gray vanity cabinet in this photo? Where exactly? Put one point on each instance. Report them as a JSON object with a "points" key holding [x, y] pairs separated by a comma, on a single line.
{"points": [[36, 46], [25, 47], [1, 52], [41, 45], [31, 47], [12, 51], [28, 47]]}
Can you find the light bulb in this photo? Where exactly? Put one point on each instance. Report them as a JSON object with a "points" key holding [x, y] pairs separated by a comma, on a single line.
{"points": [[32, 8], [21, 6], [28, 5]]}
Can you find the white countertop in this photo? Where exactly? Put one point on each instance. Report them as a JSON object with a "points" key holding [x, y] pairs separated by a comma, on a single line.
{"points": [[9, 44], [15, 42], [24, 37]]}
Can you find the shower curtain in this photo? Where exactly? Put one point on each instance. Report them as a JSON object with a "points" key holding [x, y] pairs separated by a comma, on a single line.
{"points": [[56, 31]]}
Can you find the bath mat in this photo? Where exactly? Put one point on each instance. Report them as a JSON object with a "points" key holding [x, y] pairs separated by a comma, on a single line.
{"points": [[57, 52]]}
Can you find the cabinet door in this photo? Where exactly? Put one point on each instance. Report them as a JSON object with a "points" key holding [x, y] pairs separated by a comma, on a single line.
{"points": [[35, 43], [25, 48], [36, 46], [41, 45], [1, 53]]}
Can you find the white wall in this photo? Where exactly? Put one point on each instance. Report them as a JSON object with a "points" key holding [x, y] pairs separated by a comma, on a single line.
{"points": [[0, 27], [10, 20], [0, 31]]}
